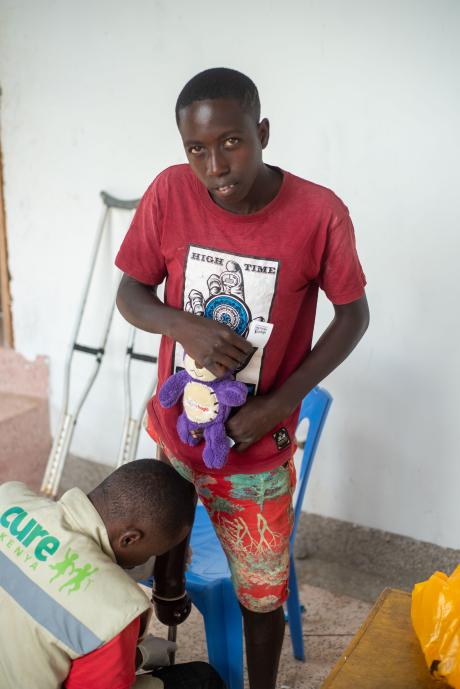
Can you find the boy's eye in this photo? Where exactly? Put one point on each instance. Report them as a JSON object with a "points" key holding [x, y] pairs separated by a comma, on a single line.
{"points": [[195, 150], [231, 142]]}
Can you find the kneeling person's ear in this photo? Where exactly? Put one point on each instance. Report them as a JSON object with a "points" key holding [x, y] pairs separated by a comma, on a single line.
{"points": [[130, 537]]}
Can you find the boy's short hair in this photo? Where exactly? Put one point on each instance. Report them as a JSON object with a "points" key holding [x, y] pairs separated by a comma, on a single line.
{"points": [[148, 491], [220, 82]]}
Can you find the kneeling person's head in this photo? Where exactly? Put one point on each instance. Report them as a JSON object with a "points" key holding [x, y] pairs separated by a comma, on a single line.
{"points": [[147, 509]]}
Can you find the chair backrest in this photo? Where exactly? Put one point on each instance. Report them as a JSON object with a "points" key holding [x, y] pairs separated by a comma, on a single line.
{"points": [[315, 408]]}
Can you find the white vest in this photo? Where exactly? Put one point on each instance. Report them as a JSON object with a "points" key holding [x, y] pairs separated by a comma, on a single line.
{"points": [[62, 595]]}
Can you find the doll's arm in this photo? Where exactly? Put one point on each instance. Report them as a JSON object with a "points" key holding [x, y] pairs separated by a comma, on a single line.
{"points": [[233, 393], [173, 388]]}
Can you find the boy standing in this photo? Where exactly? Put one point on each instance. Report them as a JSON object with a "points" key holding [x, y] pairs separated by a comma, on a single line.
{"points": [[241, 242]]}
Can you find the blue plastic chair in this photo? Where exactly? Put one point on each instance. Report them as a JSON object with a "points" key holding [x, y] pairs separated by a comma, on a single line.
{"points": [[208, 576]]}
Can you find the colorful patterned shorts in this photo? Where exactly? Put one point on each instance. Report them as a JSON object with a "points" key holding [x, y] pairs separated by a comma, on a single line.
{"points": [[252, 515]]}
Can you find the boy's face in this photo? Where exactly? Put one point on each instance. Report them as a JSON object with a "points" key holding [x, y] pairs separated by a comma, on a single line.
{"points": [[224, 147]]}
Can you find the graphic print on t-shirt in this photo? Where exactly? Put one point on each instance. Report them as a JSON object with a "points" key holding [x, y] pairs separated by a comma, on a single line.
{"points": [[232, 289]]}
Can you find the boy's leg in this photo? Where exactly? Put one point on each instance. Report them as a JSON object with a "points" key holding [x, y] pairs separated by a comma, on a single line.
{"points": [[252, 515], [169, 568], [264, 633]]}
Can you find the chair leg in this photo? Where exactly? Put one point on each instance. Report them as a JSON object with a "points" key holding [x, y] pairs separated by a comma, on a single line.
{"points": [[294, 614], [234, 636], [223, 628]]}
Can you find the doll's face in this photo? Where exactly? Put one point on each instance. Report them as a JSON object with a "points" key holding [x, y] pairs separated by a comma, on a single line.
{"points": [[196, 372]]}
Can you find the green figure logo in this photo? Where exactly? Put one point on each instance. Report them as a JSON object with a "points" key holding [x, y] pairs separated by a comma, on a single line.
{"points": [[82, 573], [67, 563], [77, 574]]}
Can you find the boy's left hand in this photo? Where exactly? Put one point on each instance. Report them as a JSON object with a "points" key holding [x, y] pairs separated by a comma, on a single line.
{"points": [[255, 419]]}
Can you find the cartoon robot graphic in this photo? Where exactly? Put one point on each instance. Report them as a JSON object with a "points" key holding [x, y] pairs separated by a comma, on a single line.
{"points": [[226, 301]]}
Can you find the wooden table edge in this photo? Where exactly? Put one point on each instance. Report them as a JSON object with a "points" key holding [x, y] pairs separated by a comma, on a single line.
{"points": [[357, 637]]}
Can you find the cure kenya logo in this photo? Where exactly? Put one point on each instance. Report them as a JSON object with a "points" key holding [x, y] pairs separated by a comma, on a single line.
{"points": [[27, 531], [33, 544]]}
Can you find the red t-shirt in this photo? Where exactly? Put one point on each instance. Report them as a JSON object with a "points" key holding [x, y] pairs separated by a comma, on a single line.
{"points": [[110, 667], [266, 266]]}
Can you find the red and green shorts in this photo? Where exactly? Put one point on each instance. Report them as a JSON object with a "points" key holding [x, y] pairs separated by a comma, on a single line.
{"points": [[253, 516]]}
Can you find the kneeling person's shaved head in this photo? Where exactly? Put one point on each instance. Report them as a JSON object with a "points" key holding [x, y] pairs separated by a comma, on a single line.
{"points": [[147, 509]]}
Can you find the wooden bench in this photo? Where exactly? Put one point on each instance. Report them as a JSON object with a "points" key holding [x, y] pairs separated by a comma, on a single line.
{"points": [[384, 653]]}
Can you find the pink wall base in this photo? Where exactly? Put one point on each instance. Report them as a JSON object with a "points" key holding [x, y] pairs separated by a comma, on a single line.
{"points": [[25, 439]]}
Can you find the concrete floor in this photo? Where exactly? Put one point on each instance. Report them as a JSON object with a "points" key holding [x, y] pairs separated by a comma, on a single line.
{"points": [[329, 623], [336, 598]]}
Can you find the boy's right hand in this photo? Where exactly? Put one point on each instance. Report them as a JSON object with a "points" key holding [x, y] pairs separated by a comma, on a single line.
{"points": [[212, 345]]}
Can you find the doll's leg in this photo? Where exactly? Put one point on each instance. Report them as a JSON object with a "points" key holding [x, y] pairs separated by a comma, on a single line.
{"points": [[216, 446], [184, 429]]}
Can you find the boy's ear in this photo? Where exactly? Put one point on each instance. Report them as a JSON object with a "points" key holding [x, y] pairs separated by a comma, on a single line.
{"points": [[129, 537], [263, 129]]}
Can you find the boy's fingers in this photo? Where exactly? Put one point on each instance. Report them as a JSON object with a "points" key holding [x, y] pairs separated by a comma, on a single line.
{"points": [[229, 356], [230, 336], [216, 368], [239, 342]]}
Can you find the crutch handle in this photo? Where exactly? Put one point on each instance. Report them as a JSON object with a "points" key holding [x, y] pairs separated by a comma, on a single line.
{"points": [[112, 202], [97, 351], [141, 357]]}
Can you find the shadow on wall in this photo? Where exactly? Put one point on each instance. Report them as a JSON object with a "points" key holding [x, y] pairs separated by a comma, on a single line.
{"points": [[25, 439]]}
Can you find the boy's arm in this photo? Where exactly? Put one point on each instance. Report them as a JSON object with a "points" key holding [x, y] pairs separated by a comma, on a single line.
{"points": [[262, 413], [170, 601], [211, 344]]}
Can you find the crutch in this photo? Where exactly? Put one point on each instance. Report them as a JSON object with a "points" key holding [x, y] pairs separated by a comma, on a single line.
{"points": [[131, 423], [68, 419]]}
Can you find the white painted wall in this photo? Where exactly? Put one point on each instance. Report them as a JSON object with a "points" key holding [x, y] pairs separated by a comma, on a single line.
{"points": [[363, 97]]}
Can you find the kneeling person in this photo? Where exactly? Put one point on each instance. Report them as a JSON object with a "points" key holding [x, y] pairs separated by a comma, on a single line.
{"points": [[71, 617]]}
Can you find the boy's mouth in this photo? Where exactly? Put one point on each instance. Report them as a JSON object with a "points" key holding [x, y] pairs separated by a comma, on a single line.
{"points": [[224, 189]]}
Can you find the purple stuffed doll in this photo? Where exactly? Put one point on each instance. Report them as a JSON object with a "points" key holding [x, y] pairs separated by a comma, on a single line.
{"points": [[207, 404]]}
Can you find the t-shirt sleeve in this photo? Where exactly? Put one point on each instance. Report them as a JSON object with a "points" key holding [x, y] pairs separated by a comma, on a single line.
{"points": [[341, 276], [140, 254], [110, 667]]}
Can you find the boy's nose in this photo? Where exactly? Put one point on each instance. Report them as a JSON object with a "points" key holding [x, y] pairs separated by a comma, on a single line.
{"points": [[217, 164]]}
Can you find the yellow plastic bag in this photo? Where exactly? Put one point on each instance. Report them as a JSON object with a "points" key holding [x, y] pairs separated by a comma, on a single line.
{"points": [[436, 621]]}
